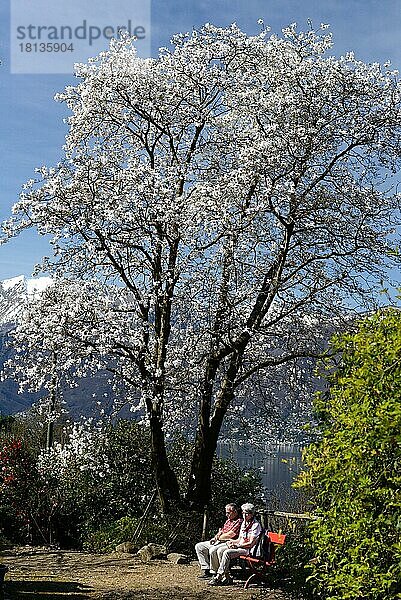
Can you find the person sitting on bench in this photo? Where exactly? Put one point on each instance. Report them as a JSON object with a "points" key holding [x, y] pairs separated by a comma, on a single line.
{"points": [[207, 551], [248, 536]]}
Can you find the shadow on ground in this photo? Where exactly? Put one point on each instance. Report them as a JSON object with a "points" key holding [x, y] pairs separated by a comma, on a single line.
{"points": [[170, 594], [44, 590]]}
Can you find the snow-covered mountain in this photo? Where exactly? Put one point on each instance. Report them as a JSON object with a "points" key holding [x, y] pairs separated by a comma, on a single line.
{"points": [[14, 291]]}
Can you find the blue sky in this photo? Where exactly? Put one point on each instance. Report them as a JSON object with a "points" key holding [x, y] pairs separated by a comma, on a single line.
{"points": [[31, 127]]}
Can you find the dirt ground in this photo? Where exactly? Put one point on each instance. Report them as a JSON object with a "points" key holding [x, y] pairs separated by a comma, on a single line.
{"points": [[42, 574]]}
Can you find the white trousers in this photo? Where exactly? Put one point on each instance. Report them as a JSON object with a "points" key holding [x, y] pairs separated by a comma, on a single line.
{"points": [[226, 555], [209, 554]]}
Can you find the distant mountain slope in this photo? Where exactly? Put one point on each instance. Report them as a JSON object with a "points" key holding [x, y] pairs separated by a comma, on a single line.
{"points": [[10, 400]]}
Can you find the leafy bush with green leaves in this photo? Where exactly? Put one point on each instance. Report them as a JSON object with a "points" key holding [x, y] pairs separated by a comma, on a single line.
{"points": [[231, 483], [107, 537], [129, 483], [354, 471]]}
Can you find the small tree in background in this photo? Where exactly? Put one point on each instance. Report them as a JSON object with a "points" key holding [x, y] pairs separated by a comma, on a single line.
{"points": [[354, 471]]}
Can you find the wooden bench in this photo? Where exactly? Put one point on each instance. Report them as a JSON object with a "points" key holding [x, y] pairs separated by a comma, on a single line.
{"points": [[259, 566]]}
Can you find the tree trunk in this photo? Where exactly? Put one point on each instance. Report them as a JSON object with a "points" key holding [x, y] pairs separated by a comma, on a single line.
{"points": [[166, 481], [199, 485]]}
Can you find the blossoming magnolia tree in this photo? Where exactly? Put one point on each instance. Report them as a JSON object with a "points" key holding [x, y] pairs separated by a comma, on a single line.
{"points": [[216, 209]]}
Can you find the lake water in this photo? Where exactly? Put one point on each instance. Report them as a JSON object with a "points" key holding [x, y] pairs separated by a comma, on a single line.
{"points": [[278, 466]]}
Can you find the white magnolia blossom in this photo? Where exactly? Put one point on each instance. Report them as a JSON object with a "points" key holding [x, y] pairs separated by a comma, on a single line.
{"points": [[217, 210], [83, 449]]}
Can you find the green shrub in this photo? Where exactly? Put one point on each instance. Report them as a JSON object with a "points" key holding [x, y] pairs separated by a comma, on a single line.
{"points": [[106, 538], [39, 502], [230, 483], [354, 471]]}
